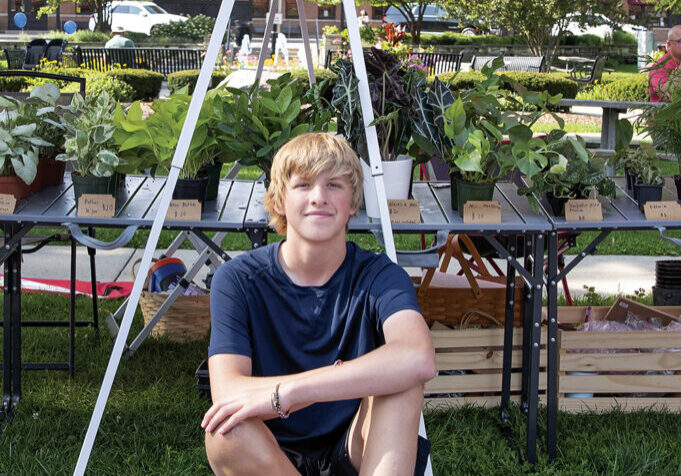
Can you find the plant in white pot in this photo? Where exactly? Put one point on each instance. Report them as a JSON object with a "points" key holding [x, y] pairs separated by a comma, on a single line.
{"points": [[390, 86]]}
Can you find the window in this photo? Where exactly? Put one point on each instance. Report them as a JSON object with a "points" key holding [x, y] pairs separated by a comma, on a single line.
{"points": [[16, 6], [259, 8], [377, 13], [134, 10], [85, 7], [291, 9], [121, 9], [154, 9], [327, 12]]}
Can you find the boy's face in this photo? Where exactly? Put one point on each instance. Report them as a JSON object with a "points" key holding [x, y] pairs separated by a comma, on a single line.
{"points": [[317, 209]]}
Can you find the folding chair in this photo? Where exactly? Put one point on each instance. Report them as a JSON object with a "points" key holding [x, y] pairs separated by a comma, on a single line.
{"points": [[35, 51]]}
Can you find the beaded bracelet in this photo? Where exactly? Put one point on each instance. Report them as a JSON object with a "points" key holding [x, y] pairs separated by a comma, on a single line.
{"points": [[276, 405]]}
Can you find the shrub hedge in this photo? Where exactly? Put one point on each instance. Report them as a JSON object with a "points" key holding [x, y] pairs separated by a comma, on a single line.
{"points": [[552, 82], [12, 84], [188, 77], [146, 84], [195, 28], [634, 88], [450, 38]]}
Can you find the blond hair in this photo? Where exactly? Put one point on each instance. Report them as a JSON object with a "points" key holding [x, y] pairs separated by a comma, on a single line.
{"points": [[309, 155]]}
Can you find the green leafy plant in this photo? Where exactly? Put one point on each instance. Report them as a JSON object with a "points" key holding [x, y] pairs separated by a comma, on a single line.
{"points": [[25, 124], [88, 132], [468, 132], [391, 87], [254, 124], [582, 174], [151, 142]]}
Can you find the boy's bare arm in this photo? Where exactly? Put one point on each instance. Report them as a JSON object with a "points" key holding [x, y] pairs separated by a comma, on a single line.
{"points": [[407, 359]]}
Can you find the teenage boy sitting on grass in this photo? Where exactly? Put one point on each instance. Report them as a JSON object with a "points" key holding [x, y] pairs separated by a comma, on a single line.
{"points": [[318, 352]]}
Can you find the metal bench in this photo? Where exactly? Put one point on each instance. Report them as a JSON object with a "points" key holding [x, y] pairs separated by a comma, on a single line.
{"points": [[511, 63], [161, 60], [585, 74], [435, 63]]}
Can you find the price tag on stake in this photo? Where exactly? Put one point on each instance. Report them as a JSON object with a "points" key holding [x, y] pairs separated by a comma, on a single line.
{"points": [[662, 210], [583, 210], [404, 211], [482, 212], [184, 210], [96, 205], [7, 203]]}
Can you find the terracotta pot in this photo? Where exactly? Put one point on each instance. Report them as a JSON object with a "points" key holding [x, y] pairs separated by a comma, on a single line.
{"points": [[14, 186]]}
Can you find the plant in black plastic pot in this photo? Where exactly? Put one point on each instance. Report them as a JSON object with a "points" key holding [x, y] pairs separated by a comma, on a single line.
{"points": [[649, 180], [664, 127], [486, 141], [252, 125], [150, 142], [89, 145], [572, 172]]}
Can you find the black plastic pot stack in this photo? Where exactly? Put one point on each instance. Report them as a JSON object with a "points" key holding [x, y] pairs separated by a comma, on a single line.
{"points": [[667, 289]]}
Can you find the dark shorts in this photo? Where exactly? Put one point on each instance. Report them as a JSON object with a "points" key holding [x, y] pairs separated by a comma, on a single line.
{"points": [[334, 460]]}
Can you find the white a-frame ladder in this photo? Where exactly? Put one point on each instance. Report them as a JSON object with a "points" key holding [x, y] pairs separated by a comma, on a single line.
{"points": [[188, 127]]}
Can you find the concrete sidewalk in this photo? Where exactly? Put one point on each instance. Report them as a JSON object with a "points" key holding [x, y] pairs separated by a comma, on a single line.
{"points": [[607, 274]]}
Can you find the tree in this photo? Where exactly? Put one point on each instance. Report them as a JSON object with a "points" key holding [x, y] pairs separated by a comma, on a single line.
{"points": [[671, 6], [541, 23], [102, 10], [413, 15]]}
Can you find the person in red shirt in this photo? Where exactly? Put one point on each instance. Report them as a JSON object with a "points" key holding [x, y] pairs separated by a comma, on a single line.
{"points": [[666, 71]]}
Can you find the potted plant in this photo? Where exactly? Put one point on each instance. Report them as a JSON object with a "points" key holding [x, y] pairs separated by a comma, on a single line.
{"points": [[150, 143], [572, 172], [649, 179], [469, 134], [19, 145], [391, 87], [51, 130], [664, 127], [89, 145], [254, 124]]}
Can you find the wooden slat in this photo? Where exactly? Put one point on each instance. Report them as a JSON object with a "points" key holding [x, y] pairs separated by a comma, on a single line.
{"points": [[482, 402], [619, 383], [476, 337], [476, 383], [575, 405], [638, 361], [481, 359], [575, 314], [621, 340]]}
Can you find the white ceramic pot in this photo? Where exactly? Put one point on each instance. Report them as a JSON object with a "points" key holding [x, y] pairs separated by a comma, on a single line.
{"points": [[396, 178]]}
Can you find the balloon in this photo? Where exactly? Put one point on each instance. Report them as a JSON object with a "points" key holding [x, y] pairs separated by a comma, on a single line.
{"points": [[20, 20], [70, 27]]}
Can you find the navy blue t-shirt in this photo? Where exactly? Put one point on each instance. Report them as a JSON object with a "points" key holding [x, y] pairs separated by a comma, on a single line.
{"points": [[257, 311]]}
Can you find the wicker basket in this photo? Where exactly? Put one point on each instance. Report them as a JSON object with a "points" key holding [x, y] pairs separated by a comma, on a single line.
{"points": [[447, 298], [186, 320]]}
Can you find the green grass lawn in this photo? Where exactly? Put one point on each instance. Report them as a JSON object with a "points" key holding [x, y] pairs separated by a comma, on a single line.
{"points": [[151, 423]]}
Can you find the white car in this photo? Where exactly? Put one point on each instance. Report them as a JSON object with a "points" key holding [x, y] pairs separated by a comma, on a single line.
{"points": [[600, 25], [136, 17]]}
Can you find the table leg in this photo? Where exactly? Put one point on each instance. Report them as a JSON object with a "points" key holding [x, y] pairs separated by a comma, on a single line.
{"points": [[508, 331], [552, 346], [527, 322], [93, 278], [15, 291], [535, 340], [7, 337]]}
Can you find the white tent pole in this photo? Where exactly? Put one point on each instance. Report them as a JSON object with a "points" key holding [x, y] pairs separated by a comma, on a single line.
{"points": [[368, 115], [306, 40], [372, 146], [274, 4], [177, 164]]}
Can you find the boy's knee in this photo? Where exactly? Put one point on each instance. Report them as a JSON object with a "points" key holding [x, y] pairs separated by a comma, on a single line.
{"points": [[246, 449]]}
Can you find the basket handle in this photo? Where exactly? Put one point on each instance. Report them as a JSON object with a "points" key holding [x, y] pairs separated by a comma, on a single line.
{"points": [[468, 317], [454, 248], [132, 271]]}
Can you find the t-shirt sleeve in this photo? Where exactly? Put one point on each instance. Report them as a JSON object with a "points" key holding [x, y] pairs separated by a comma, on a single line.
{"points": [[228, 314], [393, 291]]}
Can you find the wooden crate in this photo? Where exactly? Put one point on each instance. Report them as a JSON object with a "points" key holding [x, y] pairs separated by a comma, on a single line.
{"points": [[477, 354], [617, 376]]}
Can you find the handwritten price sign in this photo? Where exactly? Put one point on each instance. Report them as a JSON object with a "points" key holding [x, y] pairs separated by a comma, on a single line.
{"points": [[7, 203], [482, 212], [184, 210], [583, 210], [95, 205], [404, 211], [662, 210]]}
